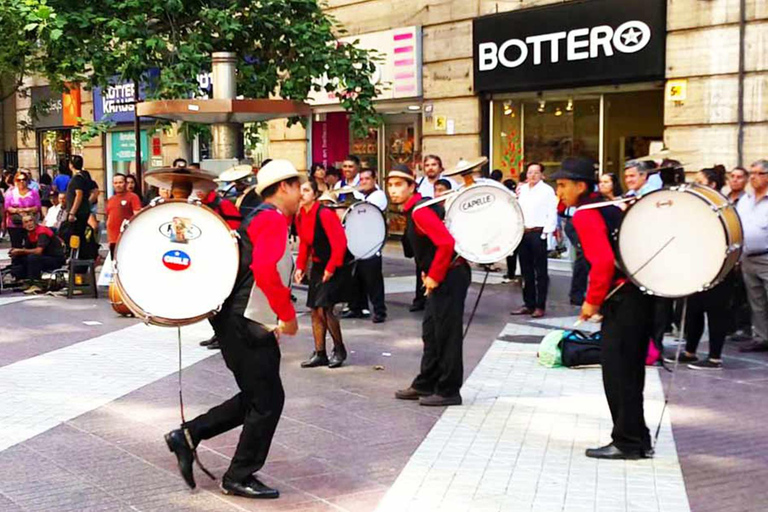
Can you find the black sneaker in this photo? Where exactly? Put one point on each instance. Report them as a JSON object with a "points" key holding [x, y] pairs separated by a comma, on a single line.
{"points": [[707, 364], [684, 358]]}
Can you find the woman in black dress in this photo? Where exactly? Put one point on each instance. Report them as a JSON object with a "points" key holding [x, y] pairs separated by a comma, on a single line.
{"points": [[322, 239]]}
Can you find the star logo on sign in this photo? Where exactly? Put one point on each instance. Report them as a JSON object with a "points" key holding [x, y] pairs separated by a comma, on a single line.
{"points": [[631, 36]]}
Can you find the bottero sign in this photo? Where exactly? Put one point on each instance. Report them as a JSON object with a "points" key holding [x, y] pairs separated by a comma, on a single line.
{"points": [[579, 43]]}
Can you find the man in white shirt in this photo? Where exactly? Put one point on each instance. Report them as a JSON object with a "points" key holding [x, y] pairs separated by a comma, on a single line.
{"points": [[539, 204], [350, 170], [433, 170], [369, 276], [56, 213], [638, 178]]}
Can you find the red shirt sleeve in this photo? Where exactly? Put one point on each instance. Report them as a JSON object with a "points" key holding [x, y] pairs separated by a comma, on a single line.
{"points": [[135, 202], [230, 213], [430, 224], [336, 236], [593, 235], [269, 236], [305, 240]]}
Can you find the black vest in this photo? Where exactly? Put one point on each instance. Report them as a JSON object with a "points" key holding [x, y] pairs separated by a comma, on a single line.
{"points": [[612, 216], [237, 301], [420, 246], [321, 246]]}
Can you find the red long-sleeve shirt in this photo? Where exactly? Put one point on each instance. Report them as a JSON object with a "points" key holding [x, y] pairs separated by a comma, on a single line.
{"points": [[429, 224], [225, 209], [593, 235], [268, 232], [305, 225]]}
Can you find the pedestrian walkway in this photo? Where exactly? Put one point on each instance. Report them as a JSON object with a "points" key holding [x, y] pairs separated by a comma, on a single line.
{"points": [[41, 392], [518, 444]]}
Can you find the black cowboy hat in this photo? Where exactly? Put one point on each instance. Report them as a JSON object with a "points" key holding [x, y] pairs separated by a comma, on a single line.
{"points": [[577, 169]]}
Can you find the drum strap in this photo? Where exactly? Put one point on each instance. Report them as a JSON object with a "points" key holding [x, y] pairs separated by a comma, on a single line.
{"points": [[187, 435]]}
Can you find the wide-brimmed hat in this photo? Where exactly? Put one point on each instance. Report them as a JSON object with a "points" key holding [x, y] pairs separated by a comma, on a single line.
{"points": [[166, 177], [236, 173], [466, 166], [327, 196], [275, 172], [401, 171], [577, 169]]}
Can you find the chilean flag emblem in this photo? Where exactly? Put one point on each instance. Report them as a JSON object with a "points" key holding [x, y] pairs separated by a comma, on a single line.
{"points": [[176, 260]]}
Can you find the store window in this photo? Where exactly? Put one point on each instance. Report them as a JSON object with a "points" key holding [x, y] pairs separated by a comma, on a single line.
{"points": [[56, 146]]}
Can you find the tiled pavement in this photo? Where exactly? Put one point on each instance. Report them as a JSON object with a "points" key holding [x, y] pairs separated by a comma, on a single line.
{"points": [[343, 440]]}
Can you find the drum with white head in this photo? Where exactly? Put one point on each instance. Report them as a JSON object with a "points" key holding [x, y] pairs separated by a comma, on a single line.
{"points": [[175, 263], [486, 220], [678, 241], [366, 230]]}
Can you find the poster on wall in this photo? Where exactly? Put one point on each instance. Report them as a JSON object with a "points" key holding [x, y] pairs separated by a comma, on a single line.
{"points": [[330, 139]]}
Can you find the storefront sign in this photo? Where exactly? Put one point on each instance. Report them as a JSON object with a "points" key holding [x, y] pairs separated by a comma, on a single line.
{"points": [[398, 74], [116, 102], [590, 42], [677, 90], [62, 109], [330, 139], [123, 147]]}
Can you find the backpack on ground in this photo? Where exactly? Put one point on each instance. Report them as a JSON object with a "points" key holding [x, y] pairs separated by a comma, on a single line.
{"points": [[580, 349]]}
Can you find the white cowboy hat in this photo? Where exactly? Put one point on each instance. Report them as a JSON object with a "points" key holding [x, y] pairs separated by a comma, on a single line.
{"points": [[275, 172], [235, 173], [466, 166]]}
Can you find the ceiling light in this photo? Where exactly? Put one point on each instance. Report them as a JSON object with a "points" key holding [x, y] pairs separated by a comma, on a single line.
{"points": [[558, 112], [569, 106], [414, 108], [542, 106]]}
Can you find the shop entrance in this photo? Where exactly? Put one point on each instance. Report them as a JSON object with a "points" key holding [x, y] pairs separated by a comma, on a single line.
{"points": [[610, 127]]}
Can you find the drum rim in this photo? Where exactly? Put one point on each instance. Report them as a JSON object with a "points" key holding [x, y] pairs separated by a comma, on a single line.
{"points": [[692, 189], [138, 311], [386, 228], [516, 205]]}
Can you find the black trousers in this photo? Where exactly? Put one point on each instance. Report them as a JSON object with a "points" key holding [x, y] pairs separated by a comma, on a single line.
{"points": [[626, 329], [32, 266], [442, 363], [419, 297], [580, 265], [368, 281], [512, 264], [533, 266], [256, 365], [713, 303], [17, 236]]}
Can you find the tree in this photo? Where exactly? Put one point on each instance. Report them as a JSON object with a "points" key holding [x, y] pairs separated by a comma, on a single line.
{"points": [[284, 47]]}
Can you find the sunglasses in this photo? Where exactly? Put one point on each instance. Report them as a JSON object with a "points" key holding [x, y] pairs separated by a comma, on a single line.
{"points": [[21, 180]]}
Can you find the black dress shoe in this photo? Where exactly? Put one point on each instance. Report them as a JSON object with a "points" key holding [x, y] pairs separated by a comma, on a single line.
{"points": [[521, 311], [251, 488], [440, 401], [416, 306], [215, 345], [611, 452], [210, 341], [178, 445], [378, 319], [351, 313], [317, 359], [338, 357], [410, 394]]}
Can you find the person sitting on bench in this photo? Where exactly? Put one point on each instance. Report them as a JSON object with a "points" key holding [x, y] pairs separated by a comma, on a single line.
{"points": [[42, 251]]}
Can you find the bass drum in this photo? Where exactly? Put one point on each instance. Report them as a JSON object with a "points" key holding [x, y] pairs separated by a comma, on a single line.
{"points": [[175, 263], [678, 241], [117, 301], [366, 230], [486, 221]]}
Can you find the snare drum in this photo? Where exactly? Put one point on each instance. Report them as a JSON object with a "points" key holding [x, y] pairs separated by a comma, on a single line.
{"points": [[366, 230], [175, 263], [678, 241], [486, 221]]}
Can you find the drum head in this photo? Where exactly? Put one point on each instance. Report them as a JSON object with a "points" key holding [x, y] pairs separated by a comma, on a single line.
{"points": [[366, 230], [176, 263], [486, 221], [686, 233]]}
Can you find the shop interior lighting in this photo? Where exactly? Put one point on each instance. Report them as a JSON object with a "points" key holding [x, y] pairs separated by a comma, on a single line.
{"points": [[542, 106], [414, 108], [558, 112], [508, 108], [569, 106]]}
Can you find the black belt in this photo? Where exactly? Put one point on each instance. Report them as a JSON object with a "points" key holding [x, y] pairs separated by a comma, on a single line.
{"points": [[754, 254], [533, 230]]}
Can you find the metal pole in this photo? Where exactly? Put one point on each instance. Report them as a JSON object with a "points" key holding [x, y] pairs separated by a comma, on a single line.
{"points": [[742, 36], [137, 137]]}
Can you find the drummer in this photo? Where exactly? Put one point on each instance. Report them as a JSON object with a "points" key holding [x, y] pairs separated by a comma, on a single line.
{"points": [[446, 280], [322, 238], [368, 277], [221, 206], [249, 340], [627, 315]]}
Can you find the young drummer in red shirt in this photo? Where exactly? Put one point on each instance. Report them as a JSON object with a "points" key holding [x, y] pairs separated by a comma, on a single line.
{"points": [[322, 237], [257, 313], [446, 280], [627, 315]]}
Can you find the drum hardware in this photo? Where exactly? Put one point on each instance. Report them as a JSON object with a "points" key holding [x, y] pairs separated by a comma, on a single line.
{"points": [[667, 395], [602, 204], [366, 230], [664, 204]]}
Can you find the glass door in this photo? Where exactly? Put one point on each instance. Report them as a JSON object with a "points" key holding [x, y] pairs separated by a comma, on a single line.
{"points": [[402, 145]]}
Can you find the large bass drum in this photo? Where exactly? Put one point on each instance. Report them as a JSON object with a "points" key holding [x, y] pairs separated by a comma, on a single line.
{"points": [[486, 220], [678, 241], [366, 230], [175, 263]]}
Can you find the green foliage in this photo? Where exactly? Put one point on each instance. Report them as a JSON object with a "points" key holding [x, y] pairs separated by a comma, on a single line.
{"points": [[284, 47]]}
